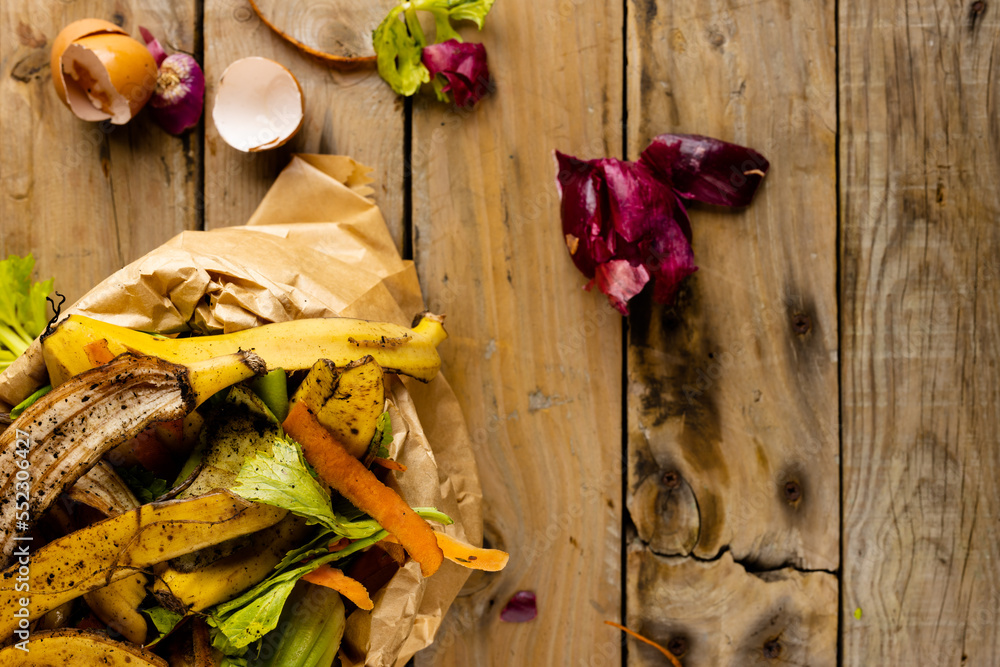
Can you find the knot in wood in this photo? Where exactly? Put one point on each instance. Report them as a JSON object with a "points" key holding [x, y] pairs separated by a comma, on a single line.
{"points": [[772, 649], [801, 323], [678, 646], [671, 479], [793, 491]]}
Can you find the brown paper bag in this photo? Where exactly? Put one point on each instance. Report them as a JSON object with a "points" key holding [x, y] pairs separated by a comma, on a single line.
{"points": [[317, 246]]}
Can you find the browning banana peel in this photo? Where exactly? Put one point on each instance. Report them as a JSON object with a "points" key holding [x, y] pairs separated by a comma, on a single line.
{"points": [[67, 431], [293, 345], [347, 401], [70, 646], [115, 548], [183, 592]]}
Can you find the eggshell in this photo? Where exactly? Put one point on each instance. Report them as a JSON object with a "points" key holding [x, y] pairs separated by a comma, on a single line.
{"points": [[113, 75], [67, 36], [259, 105]]}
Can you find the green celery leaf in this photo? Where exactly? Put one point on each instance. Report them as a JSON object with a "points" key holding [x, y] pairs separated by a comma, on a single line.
{"points": [[146, 486], [163, 620], [248, 623], [470, 10], [398, 55], [23, 307], [442, 27], [282, 479]]}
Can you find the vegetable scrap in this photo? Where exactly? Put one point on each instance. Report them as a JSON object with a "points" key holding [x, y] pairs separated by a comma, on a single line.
{"points": [[23, 307], [245, 560], [462, 66], [626, 223], [331, 577], [406, 59], [521, 608], [356, 483], [179, 97], [670, 656]]}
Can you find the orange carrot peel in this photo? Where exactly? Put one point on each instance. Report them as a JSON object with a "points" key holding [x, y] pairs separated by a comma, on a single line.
{"points": [[389, 464], [466, 555], [670, 656], [352, 589], [351, 479]]}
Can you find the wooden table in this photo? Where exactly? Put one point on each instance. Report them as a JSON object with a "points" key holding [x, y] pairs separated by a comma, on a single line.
{"points": [[797, 463]]}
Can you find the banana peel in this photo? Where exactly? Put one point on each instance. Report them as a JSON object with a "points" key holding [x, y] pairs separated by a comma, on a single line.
{"points": [[66, 432], [115, 548], [70, 646], [198, 589], [346, 400], [293, 345], [116, 604]]}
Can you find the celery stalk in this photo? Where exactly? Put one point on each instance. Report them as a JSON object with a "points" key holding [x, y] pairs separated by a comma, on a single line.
{"points": [[309, 632], [273, 390]]}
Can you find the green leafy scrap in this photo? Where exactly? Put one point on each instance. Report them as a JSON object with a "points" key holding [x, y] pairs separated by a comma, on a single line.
{"points": [[399, 40], [282, 478], [163, 620], [23, 308], [383, 435], [240, 622], [146, 486]]}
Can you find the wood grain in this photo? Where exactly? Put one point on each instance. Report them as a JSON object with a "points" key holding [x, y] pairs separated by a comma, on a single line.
{"points": [[341, 28], [920, 147], [86, 198], [715, 613], [732, 405], [346, 113], [535, 361]]}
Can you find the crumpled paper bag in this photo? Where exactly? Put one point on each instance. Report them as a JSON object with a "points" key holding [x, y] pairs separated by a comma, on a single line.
{"points": [[317, 246]]}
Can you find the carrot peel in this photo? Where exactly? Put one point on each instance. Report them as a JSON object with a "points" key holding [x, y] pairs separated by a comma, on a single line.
{"points": [[670, 656], [351, 479], [352, 589]]}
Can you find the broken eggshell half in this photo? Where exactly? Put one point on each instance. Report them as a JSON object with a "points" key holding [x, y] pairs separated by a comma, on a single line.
{"points": [[100, 72], [258, 105]]}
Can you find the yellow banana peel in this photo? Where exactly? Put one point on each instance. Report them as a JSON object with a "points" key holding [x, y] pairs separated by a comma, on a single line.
{"points": [[293, 345], [73, 647], [115, 548], [226, 578], [347, 401], [67, 431]]}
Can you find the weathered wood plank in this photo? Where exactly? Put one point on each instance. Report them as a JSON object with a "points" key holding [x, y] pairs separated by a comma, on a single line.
{"points": [[920, 293], [535, 361], [86, 198], [732, 393], [346, 113], [716, 613]]}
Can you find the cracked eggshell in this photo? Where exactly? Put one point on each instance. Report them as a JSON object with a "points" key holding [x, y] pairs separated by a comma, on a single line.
{"points": [[68, 35], [258, 105], [103, 74]]}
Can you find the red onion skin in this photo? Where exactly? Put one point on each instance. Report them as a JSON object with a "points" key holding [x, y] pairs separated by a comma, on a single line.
{"points": [[521, 608], [179, 99]]}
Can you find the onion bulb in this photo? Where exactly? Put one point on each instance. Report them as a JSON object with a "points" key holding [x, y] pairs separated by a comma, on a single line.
{"points": [[180, 88]]}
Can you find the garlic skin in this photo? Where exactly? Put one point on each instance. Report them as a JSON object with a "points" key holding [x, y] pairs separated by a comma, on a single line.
{"points": [[180, 94]]}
